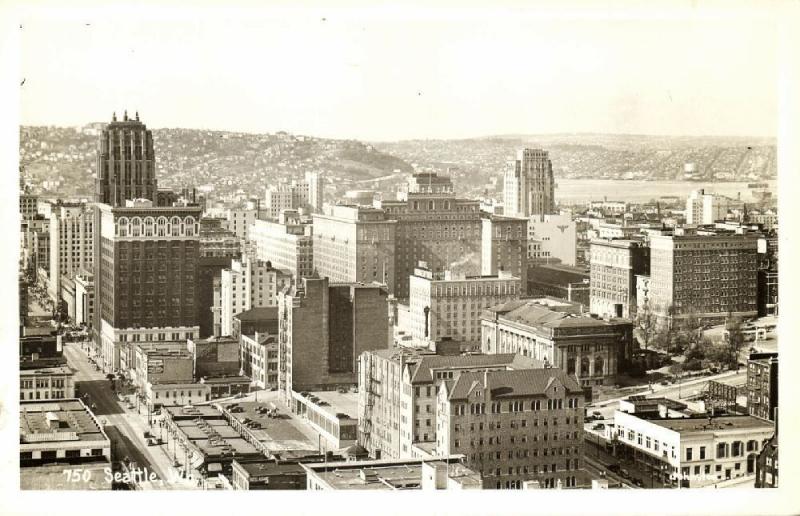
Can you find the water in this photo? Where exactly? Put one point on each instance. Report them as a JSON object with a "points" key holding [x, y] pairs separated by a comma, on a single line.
{"points": [[584, 190]]}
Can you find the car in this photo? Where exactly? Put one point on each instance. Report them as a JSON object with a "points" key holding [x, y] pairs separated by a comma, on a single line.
{"points": [[152, 442], [147, 434], [624, 472], [597, 413]]}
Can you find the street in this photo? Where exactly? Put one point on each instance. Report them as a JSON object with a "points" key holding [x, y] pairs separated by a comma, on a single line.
{"points": [[124, 428]]}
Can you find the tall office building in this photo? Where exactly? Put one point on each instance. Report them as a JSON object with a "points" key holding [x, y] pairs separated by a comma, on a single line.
{"points": [[528, 185], [504, 247], [125, 163], [355, 244], [287, 244], [612, 278], [324, 328], [707, 273], [433, 226], [71, 227], [315, 191], [217, 247], [146, 268]]}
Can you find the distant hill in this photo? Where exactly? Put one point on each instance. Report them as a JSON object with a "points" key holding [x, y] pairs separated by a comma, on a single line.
{"points": [[63, 159]]}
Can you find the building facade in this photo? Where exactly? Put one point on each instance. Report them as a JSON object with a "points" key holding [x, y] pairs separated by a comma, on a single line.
{"points": [[449, 305], [48, 383], [324, 328], [125, 163], [528, 185], [504, 247], [561, 335], [614, 265], [71, 243], [248, 284], [355, 244], [708, 274], [397, 402], [433, 226], [287, 244], [762, 385], [552, 238], [259, 358], [514, 426], [146, 276]]}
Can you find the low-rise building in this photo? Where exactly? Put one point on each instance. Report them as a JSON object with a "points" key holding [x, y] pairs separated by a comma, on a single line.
{"points": [[263, 319], [263, 474], [259, 359], [570, 283], [560, 334], [47, 383], [60, 434], [333, 414], [392, 475], [214, 356], [762, 385], [693, 451]]}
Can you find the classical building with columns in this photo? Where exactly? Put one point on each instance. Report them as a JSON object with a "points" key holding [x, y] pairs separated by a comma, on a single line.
{"points": [[560, 334]]}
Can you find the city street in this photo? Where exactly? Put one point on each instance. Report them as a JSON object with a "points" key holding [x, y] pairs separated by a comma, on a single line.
{"points": [[124, 428]]}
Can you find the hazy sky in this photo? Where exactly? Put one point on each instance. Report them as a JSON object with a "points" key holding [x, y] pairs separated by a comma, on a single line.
{"points": [[389, 75]]}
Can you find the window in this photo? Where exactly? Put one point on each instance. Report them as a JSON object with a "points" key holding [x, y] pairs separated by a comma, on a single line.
{"points": [[702, 452], [689, 454]]}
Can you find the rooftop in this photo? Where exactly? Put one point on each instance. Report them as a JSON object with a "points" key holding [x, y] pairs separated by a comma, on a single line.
{"points": [[278, 434], [258, 314], [686, 425], [61, 420], [422, 372], [46, 371], [387, 474], [268, 467], [335, 402], [512, 384], [533, 312], [51, 477], [557, 275]]}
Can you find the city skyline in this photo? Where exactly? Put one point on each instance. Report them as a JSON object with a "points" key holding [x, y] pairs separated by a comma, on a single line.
{"points": [[363, 75]]}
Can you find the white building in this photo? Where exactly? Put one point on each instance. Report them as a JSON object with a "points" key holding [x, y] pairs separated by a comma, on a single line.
{"points": [[46, 383], [694, 452], [248, 284], [553, 237], [449, 305], [71, 227], [286, 244], [259, 358], [708, 208]]}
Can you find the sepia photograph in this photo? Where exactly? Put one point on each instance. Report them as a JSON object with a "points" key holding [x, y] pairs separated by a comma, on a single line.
{"points": [[305, 247]]}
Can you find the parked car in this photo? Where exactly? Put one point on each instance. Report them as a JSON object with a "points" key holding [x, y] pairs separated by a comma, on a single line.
{"points": [[152, 442]]}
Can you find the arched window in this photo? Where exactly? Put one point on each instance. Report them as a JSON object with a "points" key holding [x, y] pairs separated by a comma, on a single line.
{"points": [[598, 365], [136, 226], [161, 226], [175, 224], [585, 366], [149, 226], [122, 227], [571, 365], [189, 229]]}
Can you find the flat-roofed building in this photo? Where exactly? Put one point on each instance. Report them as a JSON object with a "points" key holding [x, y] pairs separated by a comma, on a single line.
{"points": [[46, 383], [392, 475], [560, 334], [256, 475], [710, 274], [570, 283], [762, 385], [324, 328], [504, 246], [71, 245], [259, 358], [355, 243], [287, 244], [248, 284], [435, 226], [514, 426], [449, 304], [612, 277], [696, 451], [58, 435], [333, 414]]}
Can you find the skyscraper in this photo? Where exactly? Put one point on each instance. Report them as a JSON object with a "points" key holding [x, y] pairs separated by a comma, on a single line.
{"points": [[125, 163], [528, 186]]}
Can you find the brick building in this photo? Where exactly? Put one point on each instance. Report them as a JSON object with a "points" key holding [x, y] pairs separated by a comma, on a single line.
{"points": [[762, 385], [514, 426], [324, 327], [504, 247]]}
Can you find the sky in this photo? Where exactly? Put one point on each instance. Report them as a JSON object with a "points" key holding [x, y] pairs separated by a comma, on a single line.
{"points": [[387, 75]]}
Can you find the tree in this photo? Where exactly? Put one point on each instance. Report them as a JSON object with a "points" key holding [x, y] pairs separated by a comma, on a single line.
{"points": [[734, 338], [646, 324]]}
